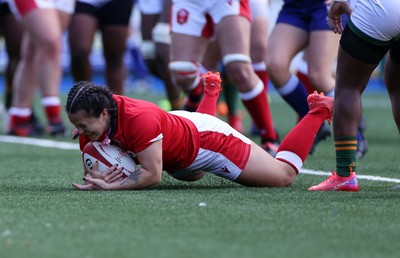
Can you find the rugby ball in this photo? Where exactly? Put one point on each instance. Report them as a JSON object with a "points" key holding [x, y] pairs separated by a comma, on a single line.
{"points": [[107, 155]]}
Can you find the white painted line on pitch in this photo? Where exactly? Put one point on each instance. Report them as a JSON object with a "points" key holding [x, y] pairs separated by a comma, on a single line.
{"points": [[39, 142], [75, 146], [367, 177]]}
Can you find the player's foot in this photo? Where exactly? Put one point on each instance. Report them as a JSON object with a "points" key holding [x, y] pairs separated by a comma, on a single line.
{"points": [[362, 145], [317, 101], [24, 130], [37, 127], [236, 122], [212, 83], [56, 129], [338, 183], [271, 147], [323, 132]]}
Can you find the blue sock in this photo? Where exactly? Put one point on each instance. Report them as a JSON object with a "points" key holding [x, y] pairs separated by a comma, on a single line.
{"points": [[360, 136], [294, 93]]}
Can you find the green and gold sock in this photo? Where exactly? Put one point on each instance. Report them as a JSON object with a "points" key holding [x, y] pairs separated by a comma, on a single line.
{"points": [[231, 97], [345, 148]]}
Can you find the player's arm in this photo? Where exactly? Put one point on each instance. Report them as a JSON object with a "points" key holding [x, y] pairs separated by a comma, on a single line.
{"points": [[150, 172], [147, 175]]}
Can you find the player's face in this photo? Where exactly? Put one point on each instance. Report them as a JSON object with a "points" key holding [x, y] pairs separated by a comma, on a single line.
{"points": [[93, 127]]}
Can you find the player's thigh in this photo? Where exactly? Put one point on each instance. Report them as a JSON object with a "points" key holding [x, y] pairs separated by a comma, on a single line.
{"points": [[64, 19], [212, 56], [166, 12], [352, 74], [284, 43], [258, 39], [322, 50], [147, 23], [187, 47], [43, 26], [233, 34], [114, 40], [392, 72], [81, 33], [12, 32]]}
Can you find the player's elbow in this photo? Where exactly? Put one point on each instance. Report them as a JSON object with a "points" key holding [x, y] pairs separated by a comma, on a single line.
{"points": [[156, 179]]}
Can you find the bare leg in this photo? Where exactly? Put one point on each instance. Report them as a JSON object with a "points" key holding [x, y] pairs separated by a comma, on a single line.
{"points": [[81, 35], [392, 81], [114, 43]]}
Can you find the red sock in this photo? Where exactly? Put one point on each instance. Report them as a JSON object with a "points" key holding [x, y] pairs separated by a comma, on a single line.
{"points": [[300, 139], [208, 105], [306, 82], [53, 113], [15, 120], [259, 110], [263, 75]]}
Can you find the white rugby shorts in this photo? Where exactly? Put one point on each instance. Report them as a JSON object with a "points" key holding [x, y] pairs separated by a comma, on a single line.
{"points": [[379, 19], [191, 17], [223, 150]]}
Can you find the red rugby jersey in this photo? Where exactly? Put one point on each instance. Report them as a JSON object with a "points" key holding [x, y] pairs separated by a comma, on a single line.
{"points": [[140, 123]]}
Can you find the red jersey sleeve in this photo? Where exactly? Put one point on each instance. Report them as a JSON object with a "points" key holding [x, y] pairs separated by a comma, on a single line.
{"points": [[142, 129]]}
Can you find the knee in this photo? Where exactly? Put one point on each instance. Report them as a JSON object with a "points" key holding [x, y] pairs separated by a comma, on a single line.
{"points": [[148, 50], [257, 52], [277, 69], [320, 80], [161, 33], [114, 59], [80, 52], [239, 74], [239, 70], [314, 78], [185, 74], [49, 46], [288, 179]]}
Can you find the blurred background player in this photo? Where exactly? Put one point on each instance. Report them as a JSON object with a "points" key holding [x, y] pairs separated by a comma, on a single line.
{"points": [[258, 46], [12, 32], [258, 52], [43, 23], [372, 31], [155, 47], [11, 29], [193, 23], [111, 18], [302, 25], [302, 74]]}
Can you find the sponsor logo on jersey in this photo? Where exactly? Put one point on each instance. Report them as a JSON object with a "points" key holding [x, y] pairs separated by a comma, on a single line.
{"points": [[225, 170]]}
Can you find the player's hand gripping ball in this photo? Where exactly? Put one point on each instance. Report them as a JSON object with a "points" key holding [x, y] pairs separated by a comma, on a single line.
{"points": [[107, 156]]}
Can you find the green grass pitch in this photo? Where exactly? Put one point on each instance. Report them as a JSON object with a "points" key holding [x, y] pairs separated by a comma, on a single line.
{"points": [[42, 216]]}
